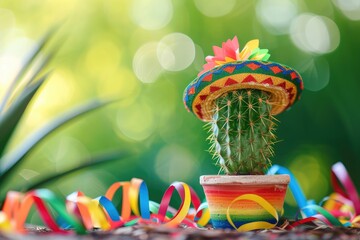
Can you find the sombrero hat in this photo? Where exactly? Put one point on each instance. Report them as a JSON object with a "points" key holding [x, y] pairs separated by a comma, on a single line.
{"points": [[231, 70]]}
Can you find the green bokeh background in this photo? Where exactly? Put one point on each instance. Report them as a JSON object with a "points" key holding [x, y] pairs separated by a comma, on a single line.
{"points": [[104, 42]]}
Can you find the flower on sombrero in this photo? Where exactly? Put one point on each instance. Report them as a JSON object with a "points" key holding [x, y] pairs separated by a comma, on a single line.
{"points": [[229, 52]]}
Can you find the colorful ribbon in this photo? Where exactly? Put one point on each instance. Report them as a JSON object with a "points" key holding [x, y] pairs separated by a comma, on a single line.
{"points": [[295, 189], [80, 213], [347, 190], [340, 209], [257, 224]]}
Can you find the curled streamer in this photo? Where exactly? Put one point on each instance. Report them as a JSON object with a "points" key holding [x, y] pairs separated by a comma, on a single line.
{"points": [[82, 213], [256, 224]]}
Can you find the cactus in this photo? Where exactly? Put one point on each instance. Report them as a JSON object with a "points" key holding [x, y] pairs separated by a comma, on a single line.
{"points": [[238, 93], [242, 132]]}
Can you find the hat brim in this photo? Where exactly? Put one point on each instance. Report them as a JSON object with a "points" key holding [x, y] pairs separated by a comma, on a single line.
{"points": [[283, 84]]}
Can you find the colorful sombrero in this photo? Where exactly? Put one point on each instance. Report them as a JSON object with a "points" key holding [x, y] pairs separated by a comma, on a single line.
{"points": [[230, 70]]}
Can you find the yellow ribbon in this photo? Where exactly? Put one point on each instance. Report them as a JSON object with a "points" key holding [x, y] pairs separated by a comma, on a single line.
{"points": [[184, 209], [258, 224], [134, 195], [355, 220], [94, 210], [205, 217], [5, 224]]}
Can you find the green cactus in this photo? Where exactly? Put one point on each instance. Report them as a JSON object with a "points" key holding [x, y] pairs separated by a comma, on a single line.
{"points": [[238, 92], [243, 132]]}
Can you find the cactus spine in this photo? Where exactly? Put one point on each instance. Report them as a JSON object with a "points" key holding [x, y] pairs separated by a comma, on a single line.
{"points": [[242, 132]]}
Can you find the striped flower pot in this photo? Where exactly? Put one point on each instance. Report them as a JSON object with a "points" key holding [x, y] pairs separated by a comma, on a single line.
{"points": [[245, 202]]}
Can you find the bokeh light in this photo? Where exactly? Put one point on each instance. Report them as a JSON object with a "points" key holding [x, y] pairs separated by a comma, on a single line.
{"points": [[350, 8], [107, 52], [199, 58], [9, 66], [126, 87], [310, 171], [315, 73], [12, 56], [7, 21], [67, 150], [145, 52], [314, 34], [62, 86], [152, 14], [28, 174], [145, 63], [276, 15], [136, 121], [215, 8], [175, 163], [92, 186], [176, 52]]}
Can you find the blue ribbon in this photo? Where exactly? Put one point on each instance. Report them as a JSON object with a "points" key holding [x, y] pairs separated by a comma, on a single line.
{"points": [[144, 201], [109, 208], [296, 190]]}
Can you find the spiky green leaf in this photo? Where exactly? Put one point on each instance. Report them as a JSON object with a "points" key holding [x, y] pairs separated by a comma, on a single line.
{"points": [[88, 163], [15, 157], [27, 65], [10, 119]]}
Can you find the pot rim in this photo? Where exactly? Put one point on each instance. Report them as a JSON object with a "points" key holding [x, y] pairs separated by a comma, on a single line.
{"points": [[244, 179]]}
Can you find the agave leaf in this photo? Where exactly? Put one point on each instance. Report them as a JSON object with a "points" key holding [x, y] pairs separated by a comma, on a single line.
{"points": [[12, 116], [28, 63], [37, 69], [40, 68], [92, 162], [21, 88], [15, 157]]}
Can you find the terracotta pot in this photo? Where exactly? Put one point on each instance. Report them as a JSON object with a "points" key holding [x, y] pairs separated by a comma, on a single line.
{"points": [[229, 210]]}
